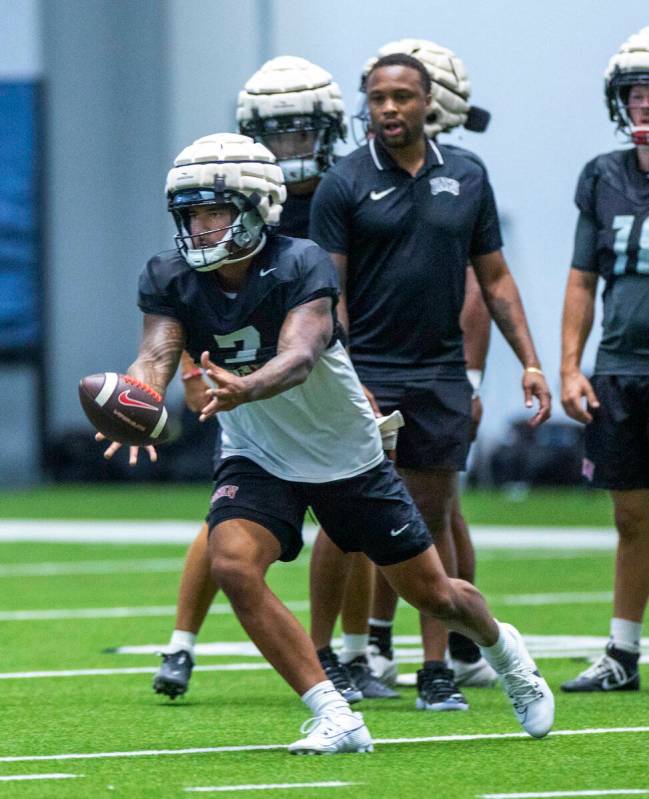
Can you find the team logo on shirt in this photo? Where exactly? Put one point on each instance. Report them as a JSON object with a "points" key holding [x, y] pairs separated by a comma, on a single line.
{"points": [[587, 469], [438, 185], [224, 491]]}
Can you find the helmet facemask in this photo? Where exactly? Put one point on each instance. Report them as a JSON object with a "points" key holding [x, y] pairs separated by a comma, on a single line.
{"points": [[295, 109], [242, 237], [618, 89], [224, 169], [302, 143]]}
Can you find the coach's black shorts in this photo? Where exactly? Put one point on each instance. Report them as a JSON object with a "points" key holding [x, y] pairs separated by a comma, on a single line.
{"points": [[372, 512], [437, 416], [617, 440]]}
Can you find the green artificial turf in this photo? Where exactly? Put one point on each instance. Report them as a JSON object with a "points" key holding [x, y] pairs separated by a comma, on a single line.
{"points": [[120, 713], [557, 507]]}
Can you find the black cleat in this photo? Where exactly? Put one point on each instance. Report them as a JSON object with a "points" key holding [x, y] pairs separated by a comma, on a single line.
{"points": [[438, 691], [339, 675], [607, 673], [369, 685], [172, 678]]}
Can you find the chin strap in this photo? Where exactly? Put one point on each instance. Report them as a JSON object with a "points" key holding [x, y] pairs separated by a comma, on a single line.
{"points": [[258, 248], [640, 134]]}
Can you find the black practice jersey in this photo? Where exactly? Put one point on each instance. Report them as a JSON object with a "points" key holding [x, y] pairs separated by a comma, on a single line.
{"points": [[407, 242], [612, 240], [240, 332], [294, 220], [319, 431]]}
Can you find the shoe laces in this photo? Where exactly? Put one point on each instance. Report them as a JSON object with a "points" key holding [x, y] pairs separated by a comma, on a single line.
{"points": [[338, 674], [438, 681], [521, 687], [325, 725], [604, 666]]}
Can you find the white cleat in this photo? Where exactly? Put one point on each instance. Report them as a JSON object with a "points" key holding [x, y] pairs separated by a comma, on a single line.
{"points": [[473, 675], [528, 692], [385, 669], [333, 733]]}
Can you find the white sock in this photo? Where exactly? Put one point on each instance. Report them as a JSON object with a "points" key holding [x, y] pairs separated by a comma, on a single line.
{"points": [[353, 646], [625, 635], [324, 696], [499, 655], [181, 639]]}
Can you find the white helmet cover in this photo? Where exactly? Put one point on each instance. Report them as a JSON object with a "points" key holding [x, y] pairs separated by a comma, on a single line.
{"points": [[287, 95], [628, 67], [450, 88], [225, 168]]}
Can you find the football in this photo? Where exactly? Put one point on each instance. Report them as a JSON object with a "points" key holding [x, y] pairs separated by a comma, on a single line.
{"points": [[124, 409]]}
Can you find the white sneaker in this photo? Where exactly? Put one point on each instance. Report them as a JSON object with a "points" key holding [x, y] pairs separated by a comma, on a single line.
{"points": [[383, 668], [333, 732], [473, 675], [528, 692]]}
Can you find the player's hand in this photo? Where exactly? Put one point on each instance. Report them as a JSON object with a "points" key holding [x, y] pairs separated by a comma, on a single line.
{"points": [[196, 393], [575, 387], [230, 391], [476, 417], [534, 385], [372, 401], [132, 451]]}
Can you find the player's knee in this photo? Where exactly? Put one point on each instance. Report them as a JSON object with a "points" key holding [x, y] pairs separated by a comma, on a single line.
{"points": [[236, 576], [440, 603], [631, 521]]}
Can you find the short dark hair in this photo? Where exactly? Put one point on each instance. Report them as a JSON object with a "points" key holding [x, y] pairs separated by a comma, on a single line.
{"points": [[403, 60]]}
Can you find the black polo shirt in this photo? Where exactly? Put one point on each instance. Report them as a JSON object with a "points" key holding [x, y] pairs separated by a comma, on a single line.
{"points": [[407, 240]]}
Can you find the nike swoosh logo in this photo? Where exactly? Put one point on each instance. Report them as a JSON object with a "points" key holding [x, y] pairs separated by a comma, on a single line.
{"points": [[607, 685], [400, 530], [379, 195], [125, 399], [264, 272]]}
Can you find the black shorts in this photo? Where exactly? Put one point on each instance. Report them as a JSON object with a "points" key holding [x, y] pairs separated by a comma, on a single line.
{"points": [[617, 440], [437, 416], [371, 513]]}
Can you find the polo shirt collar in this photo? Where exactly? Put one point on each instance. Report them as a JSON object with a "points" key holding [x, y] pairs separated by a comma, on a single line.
{"points": [[383, 160]]}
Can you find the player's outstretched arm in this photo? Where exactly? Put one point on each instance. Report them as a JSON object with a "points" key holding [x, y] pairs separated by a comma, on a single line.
{"points": [[306, 331], [503, 300], [163, 341], [577, 321]]}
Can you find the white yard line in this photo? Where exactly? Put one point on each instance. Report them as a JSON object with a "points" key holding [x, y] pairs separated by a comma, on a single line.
{"points": [[66, 568], [121, 613], [15, 777], [544, 794], [179, 532], [35, 675], [50, 614], [561, 598], [91, 531], [269, 786], [265, 747]]}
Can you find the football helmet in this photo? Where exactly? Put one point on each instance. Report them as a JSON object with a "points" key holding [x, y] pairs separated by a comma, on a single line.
{"points": [[296, 110], [225, 169], [450, 89], [628, 67]]}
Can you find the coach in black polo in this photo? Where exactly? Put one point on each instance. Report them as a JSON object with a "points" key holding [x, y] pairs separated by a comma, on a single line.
{"points": [[401, 217]]}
